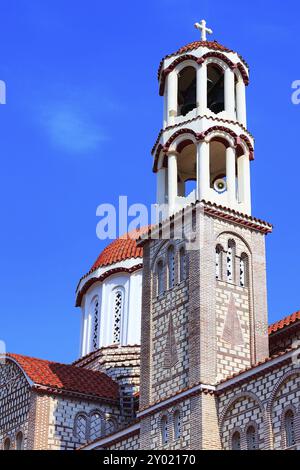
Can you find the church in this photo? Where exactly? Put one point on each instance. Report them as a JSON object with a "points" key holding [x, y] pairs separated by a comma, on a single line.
{"points": [[176, 349]]}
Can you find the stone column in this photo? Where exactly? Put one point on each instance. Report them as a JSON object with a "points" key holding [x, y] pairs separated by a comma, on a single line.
{"points": [[161, 187], [172, 180], [230, 175], [172, 98], [229, 93], [244, 182], [203, 169], [241, 102], [202, 89]]}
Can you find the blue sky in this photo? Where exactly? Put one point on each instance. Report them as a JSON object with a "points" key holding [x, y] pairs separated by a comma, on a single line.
{"points": [[82, 114]]}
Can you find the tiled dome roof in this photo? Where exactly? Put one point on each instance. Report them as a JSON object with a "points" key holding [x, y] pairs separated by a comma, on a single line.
{"points": [[121, 249]]}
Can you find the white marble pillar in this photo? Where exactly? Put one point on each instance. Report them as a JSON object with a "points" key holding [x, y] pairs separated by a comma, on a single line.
{"points": [[203, 170], [241, 102], [202, 89], [172, 180], [161, 187], [229, 93], [172, 98], [231, 175], [244, 186]]}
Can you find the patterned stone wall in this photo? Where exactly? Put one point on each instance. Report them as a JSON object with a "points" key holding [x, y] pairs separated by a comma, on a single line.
{"points": [[15, 398], [262, 403], [284, 340], [131, 442]]}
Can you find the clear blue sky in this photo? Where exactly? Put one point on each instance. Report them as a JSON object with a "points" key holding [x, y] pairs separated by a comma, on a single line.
{"points": [[82, 114]]}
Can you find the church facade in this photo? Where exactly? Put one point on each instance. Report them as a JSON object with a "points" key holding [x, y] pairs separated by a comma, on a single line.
{"points": [[176, 350]]}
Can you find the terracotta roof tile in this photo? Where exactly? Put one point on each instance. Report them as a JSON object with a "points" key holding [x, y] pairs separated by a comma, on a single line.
{"points": [[289, 320], [67, 378]]}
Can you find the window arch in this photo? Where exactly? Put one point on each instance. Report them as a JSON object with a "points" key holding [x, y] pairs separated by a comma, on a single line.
{"points": [[96, 424], [19, 441], [171, 266], [289, 428], [182, 264], [252, 440], [7, 444], [81, 428], [187, 99], [215, 88], [244, 270], [219, 262], [177, 425], [164, 430], [95, 312], [160, 277], [236, 441], [230, 261], [118, 309], [110, 426]]}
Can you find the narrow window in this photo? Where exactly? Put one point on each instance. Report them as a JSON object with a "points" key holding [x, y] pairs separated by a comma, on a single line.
{"points": [[230, 261], [182, 264], [118, 311], [186, 91], [289, 424], [244, 270], [215, 89], [219, 263], [171, 266], [164, 430], [96, 323], [7, 444], [80, 430], [236, 441], [251, 438], [110, 427], [160, 277], [95, 426], [19, 441], [177, 425]]}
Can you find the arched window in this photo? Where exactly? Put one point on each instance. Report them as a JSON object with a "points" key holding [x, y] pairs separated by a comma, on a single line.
{"points": [[236, 441], [215, 89], [7, 444], [230, 261], [19, 441], [289, 428], [182, 264], [80, 428], [95, 426], [177, 424], [164, 430], [96, 322], [244, 270], [251, 435], [118, 307], [219, 267], [171, 266], [186, 91], [110, 426], [160, 277]]}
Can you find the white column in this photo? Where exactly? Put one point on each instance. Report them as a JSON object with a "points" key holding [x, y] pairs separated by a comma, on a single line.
{"points": [[161, 189], [202, 89], [241, 102], [172, 97], [229, 90], [166, 107], [230, 175], [244, 182], [203, 170], [172, 180]]}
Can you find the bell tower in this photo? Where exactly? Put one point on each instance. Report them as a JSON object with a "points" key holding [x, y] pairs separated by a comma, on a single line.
{"points": [[204, 304], [204, 150]]}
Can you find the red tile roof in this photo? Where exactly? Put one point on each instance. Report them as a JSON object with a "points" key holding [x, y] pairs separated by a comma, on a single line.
{"points": [[279, 325], [60, 378]]}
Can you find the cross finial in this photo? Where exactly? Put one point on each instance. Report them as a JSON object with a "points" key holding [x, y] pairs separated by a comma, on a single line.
{"points": [[202, 27]]}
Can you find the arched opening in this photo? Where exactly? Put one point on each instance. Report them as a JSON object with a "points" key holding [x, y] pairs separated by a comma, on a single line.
{"points": [[187, 167], [164, 430], [7, 444], [182, 264], [118, 308], [160, 277], [289, 428], [244, 270], [251, 438], [236, 441], [19, 441], [218, 166], [219, 262], [81, 428], [231, 261], [177, 425], [95, 314], [186, 90], [171, 266], [215, 89]]}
